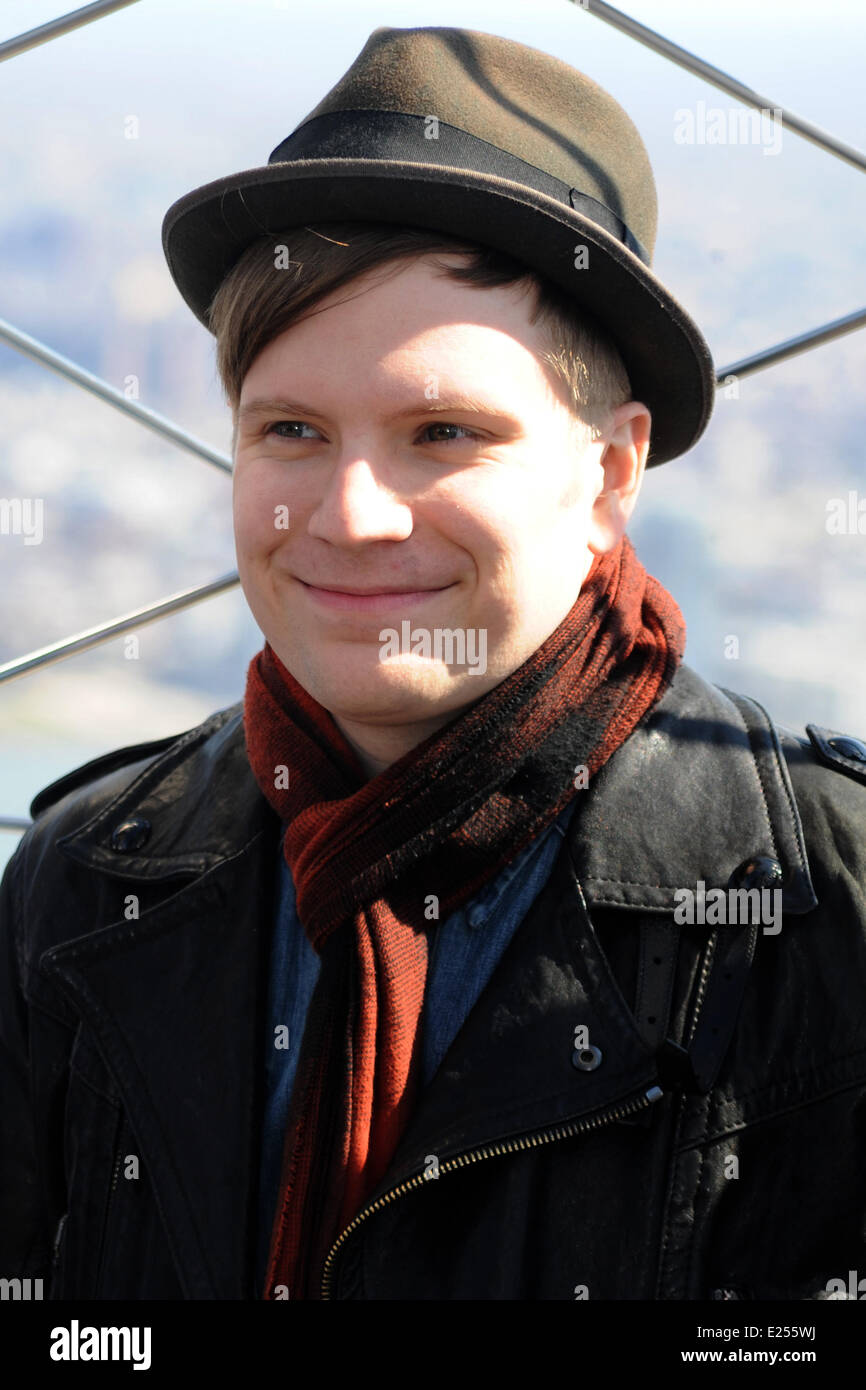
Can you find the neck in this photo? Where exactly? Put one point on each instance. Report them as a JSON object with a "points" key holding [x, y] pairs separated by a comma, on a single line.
{"points": [[378, 746]]}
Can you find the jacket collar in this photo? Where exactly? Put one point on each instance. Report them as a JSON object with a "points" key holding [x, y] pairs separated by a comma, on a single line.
{"points": [[700, 788], [197, 802]]}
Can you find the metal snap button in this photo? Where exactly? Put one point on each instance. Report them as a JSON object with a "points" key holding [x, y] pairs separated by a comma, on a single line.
{"points": [[130, 835], [849, 748], [758, 872], [586, 1058]]}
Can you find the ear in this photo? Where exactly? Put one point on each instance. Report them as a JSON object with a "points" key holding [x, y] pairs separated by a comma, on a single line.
{"points": [[623, 461]]}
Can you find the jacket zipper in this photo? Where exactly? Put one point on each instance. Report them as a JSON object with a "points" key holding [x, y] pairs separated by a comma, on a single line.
{"points": [[527, 1141]]}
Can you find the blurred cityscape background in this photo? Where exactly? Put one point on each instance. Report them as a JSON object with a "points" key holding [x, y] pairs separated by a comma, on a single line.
{"points": [[758, 245]]}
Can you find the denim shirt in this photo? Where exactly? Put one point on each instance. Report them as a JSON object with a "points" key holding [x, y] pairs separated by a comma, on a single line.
{"points": [[463, 953]]}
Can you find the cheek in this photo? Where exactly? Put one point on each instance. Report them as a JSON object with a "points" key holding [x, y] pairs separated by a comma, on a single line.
{"points": [[486, 520], [254, 502]]}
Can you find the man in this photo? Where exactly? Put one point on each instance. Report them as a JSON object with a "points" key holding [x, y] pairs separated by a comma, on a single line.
{"points": [[484, 951]]}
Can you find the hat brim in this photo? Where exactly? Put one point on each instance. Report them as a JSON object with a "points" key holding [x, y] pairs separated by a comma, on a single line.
{"points": [[667, 358]]}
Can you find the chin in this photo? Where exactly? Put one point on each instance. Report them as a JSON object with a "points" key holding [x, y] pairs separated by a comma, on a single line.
{"points": [[384, 692]]}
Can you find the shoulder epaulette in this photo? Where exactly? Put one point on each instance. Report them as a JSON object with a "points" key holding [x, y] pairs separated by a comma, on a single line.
{"points": [[844, 752], [97, 767]]}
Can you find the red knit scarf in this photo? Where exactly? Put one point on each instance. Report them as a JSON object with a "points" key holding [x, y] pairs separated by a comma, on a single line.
{"points": [[365, 856]]}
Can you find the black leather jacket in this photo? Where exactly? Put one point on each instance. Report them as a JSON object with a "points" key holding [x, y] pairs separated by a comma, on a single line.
{"points": [[706, 1138]]}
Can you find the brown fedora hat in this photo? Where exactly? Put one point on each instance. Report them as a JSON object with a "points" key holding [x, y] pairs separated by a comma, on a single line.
{"points": [[488, 139]]}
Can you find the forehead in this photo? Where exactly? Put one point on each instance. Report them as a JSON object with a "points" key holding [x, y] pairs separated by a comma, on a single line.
{"points": [[406, 321]]}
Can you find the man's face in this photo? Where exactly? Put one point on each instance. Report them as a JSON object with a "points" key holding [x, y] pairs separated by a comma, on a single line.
{"points": [[421, 449]]}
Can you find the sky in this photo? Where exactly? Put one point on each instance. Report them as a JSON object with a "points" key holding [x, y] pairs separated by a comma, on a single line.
{"points": [[757, 245]]}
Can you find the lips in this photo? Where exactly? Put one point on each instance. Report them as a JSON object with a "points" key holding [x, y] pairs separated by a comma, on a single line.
{"points": [[374, 592], [369, 599]]}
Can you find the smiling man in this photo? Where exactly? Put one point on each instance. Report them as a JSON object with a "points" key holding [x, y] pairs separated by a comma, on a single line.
{"points": [[415, 975]]}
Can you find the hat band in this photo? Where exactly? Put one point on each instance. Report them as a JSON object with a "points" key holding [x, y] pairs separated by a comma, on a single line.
{"points": [[398, 136]]}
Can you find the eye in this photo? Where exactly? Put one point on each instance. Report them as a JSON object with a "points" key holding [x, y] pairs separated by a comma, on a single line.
{"points": [[448, 425], [289, 424]]}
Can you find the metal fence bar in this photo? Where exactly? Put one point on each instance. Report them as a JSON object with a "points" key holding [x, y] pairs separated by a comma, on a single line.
{"points": [[67, 22], [792, 346], [14, 823], [728, 84], [66, 367], [93, 636]]}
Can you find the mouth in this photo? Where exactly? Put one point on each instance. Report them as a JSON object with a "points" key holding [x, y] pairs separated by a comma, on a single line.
{"points": [[368, 600]]}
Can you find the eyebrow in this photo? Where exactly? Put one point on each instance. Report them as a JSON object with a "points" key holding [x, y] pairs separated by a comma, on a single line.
{"points": [[281, 406]]}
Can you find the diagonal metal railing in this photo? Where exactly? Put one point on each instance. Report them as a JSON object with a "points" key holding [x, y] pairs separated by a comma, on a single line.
{"points": [[684, 59], [110, 394], [804, 342], [10, 48], [746, 366], [94, 636]]}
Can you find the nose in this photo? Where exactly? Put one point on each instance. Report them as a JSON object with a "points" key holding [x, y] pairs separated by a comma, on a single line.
{"points": [[357, 506]]}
